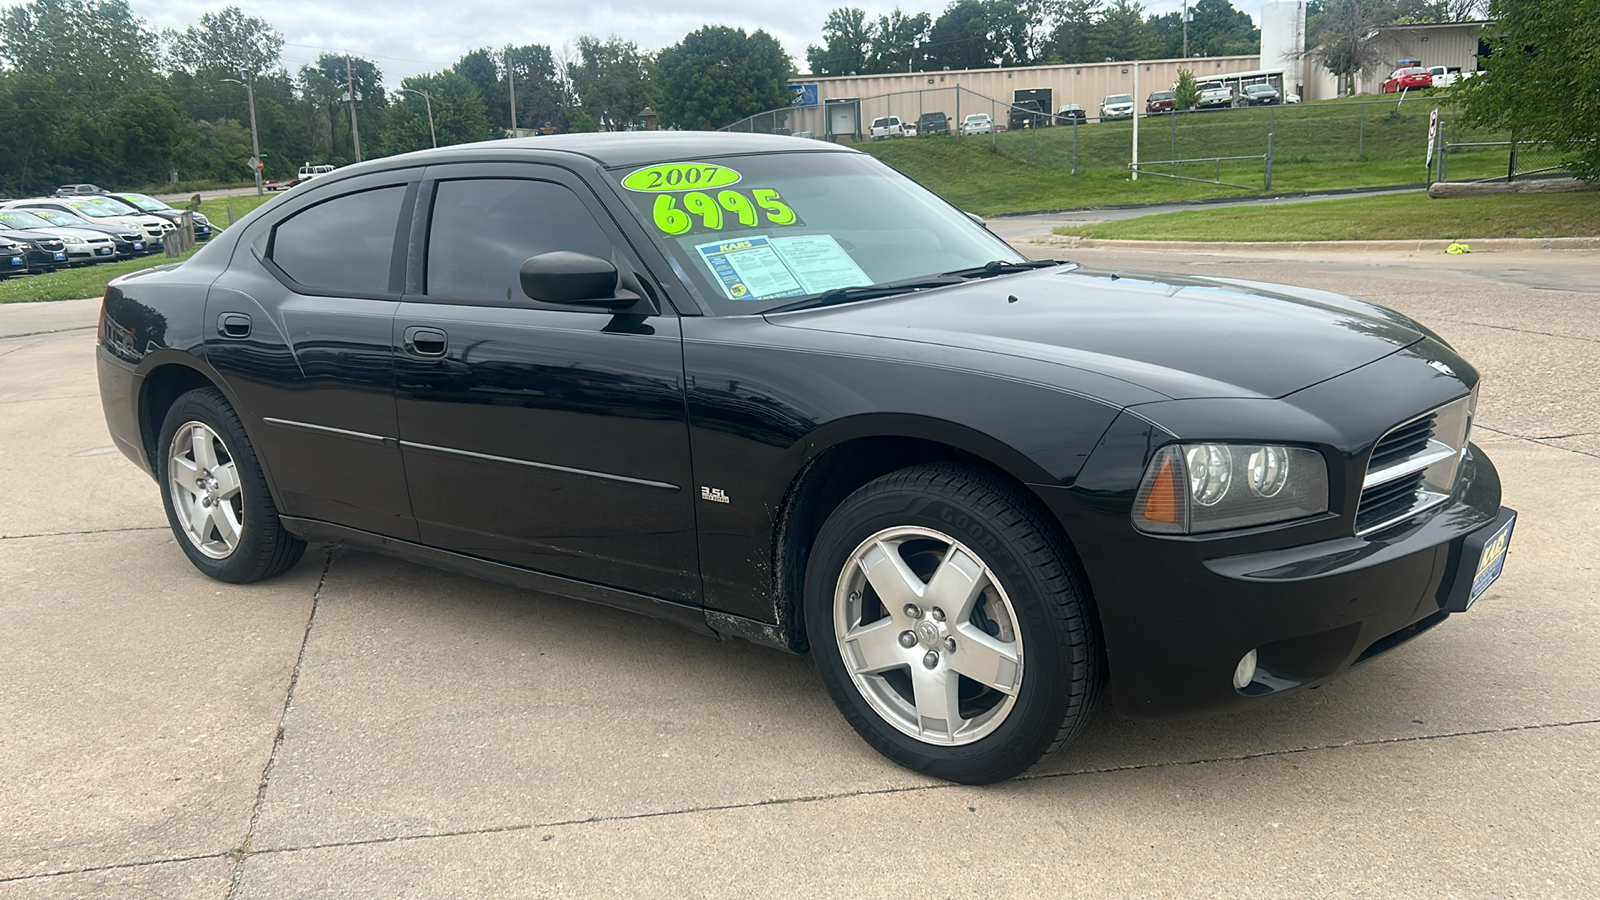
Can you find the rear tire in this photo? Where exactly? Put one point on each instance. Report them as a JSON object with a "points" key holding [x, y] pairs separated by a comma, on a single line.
{"points": [[215, 494], [950, 625]]}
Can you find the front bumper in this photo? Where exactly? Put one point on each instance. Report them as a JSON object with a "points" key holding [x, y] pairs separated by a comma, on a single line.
{"points": [[1180, 614]]}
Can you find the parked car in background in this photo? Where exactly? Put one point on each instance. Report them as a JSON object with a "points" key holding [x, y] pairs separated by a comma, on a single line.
{"points": [[1027, 114], [977, 123], [933, 123], [143, 203], [1116, 106], [1407, 78], [1160, 102], [1259, 95], [129, 241], [73, 190], [1071, 114], [84, 247], [97, 210], [887, 127], [1291, 98], [1444, 76], [13, 258], [44, 251], [803, 134], [309, 171], [1214, 95]]}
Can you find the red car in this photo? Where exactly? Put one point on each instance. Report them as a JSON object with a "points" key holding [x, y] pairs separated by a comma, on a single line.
{"points": [[1408, 77], [1161, 102]]}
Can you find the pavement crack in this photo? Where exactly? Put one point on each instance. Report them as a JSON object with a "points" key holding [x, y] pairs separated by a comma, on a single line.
{"points": [[1544, 440], [45, 534], [112, 867], [910, 789], [25, 334], [243, 851]]}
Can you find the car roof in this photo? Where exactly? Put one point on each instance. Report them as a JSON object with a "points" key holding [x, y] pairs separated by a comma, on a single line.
{"points": [[618, 148]]}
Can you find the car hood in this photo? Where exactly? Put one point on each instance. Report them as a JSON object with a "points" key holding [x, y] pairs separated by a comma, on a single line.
{"points": [[26, 234], [1182, 337]]}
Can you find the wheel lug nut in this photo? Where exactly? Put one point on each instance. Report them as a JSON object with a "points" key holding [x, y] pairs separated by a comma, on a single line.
{"points": [[950, 644], [912, 612], [930, 659], [908, 639], [938, 614]]}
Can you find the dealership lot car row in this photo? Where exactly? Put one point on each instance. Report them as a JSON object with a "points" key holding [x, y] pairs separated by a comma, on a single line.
{"points": [[771, 389], [81, 227]]}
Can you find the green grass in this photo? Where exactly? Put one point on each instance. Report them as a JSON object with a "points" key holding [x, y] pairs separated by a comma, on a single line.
{"points": [[73, 284], [1390, 217], [1316, 146]]}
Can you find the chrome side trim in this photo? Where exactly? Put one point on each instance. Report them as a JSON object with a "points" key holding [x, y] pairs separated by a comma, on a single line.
{"points": [[1438, 450], [324, 429], [451, 451], [1426, 500]]}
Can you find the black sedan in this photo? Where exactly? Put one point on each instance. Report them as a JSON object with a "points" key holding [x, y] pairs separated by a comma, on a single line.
{"points": [[13, 258], [45, 252], [1259, 95], [772, 390]]}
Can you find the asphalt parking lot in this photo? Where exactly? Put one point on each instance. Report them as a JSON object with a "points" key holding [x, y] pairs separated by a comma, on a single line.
{"points": [[363, 727]]}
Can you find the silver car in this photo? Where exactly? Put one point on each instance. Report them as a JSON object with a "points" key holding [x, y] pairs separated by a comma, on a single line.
{"points": [[83, 245]]}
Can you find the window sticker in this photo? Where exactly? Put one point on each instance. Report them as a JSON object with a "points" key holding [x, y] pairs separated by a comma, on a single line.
{"points": [[819, 262], [750, 269], [680, 177]]}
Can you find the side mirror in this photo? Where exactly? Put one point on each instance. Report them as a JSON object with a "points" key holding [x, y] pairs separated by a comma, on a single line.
{"points": [[566, 276], [979, 219]]}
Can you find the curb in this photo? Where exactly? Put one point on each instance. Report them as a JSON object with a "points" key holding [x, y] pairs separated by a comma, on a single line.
{"points": [[1330, 193], [1484, 245]]}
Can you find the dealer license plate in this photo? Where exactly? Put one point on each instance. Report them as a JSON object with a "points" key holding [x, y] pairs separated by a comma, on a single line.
{"points": [[104, 251], [16, 260], [60, 255], [1491, 561], [138, 245]]}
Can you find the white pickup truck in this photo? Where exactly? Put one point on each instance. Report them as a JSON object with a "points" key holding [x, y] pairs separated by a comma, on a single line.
{"points": [[889, 127], [1214, 95], [1444, 77]]}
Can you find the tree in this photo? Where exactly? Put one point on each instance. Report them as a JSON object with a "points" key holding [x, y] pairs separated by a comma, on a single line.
{"points": [[540, 89], [458, 114], [226, 41], [1217, 29], [91, 50], [960, 38], [718, 75], [481, 70], [1072, 40], [1186, 93], [899, 42], [847, 41], [612, 80], [1542, 77], [325, 87], [1121, 32], [1349, 41], [147, 133]]}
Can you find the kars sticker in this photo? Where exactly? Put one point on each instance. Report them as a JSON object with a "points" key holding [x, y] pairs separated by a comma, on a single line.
{"points": [[679, 177]]}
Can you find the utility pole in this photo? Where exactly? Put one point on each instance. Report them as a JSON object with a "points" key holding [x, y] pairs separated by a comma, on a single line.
{"points": [[350, 85], [1135, 166], [429, 101], [255, 139], [1185, 29], [511, 82]]}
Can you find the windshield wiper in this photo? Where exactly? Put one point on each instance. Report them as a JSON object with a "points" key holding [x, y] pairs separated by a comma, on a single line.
{"points": [[1003, 267], [866, 292]]}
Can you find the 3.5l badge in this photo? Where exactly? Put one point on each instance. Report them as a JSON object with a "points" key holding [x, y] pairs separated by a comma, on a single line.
{"points": [[715, 495]]}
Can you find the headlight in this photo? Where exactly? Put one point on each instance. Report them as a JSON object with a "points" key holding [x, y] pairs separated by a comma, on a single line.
{"points": [[73, 239], [1195, 488]]}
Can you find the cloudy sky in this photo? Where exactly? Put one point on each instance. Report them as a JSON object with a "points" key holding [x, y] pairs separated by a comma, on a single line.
{"points": [[406, 37]]}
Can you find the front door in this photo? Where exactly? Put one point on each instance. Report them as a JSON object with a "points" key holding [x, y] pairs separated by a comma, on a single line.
{"points": [[548, 437]]}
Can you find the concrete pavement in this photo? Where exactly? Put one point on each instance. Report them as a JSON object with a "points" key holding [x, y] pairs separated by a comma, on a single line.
{"points": [[362, 727]]}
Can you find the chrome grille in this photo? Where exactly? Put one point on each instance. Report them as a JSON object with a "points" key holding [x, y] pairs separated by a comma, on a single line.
{"points": [[1413, 467]]}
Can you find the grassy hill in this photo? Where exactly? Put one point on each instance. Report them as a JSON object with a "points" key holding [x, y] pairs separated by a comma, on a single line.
{"points": [[1316, 146]]}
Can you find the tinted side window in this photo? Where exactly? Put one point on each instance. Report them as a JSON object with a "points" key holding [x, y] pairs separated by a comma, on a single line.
{"points": [[343, 245], [484, 229]]}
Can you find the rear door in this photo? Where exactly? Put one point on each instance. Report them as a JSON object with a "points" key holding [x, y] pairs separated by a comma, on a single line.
{"points": [[548, 437], [301, 330]]}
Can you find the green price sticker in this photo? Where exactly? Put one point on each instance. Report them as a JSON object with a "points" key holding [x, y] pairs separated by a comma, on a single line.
{"points": [[701, 211], [680, 177]]}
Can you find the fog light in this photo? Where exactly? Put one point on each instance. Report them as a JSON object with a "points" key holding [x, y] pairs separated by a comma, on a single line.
{"points": [[1245, 671]]}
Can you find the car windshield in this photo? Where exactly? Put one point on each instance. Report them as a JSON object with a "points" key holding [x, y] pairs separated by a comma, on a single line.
{"points": [[147, 204], [1259, 89], [751, 233], [1118, 98], [12, 218], [95, 210], [62, 219], [1162, 95]]}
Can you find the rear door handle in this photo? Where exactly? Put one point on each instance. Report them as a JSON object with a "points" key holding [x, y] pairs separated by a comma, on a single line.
{"points": [[425, 341], [233, 325]]}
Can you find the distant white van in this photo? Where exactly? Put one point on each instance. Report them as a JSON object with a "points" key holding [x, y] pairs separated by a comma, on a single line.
{"points": [[308, 171]]}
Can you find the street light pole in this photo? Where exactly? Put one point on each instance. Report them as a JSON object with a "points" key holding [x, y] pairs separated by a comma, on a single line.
{"points": [[255, 139], [428, 101]]}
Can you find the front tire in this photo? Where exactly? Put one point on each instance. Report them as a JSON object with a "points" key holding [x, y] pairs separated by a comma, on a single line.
{"points": [[950, 625], [216, 496]]}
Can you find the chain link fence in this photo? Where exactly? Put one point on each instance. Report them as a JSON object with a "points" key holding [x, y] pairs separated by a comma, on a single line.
{"points": [[1289, 147]]}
